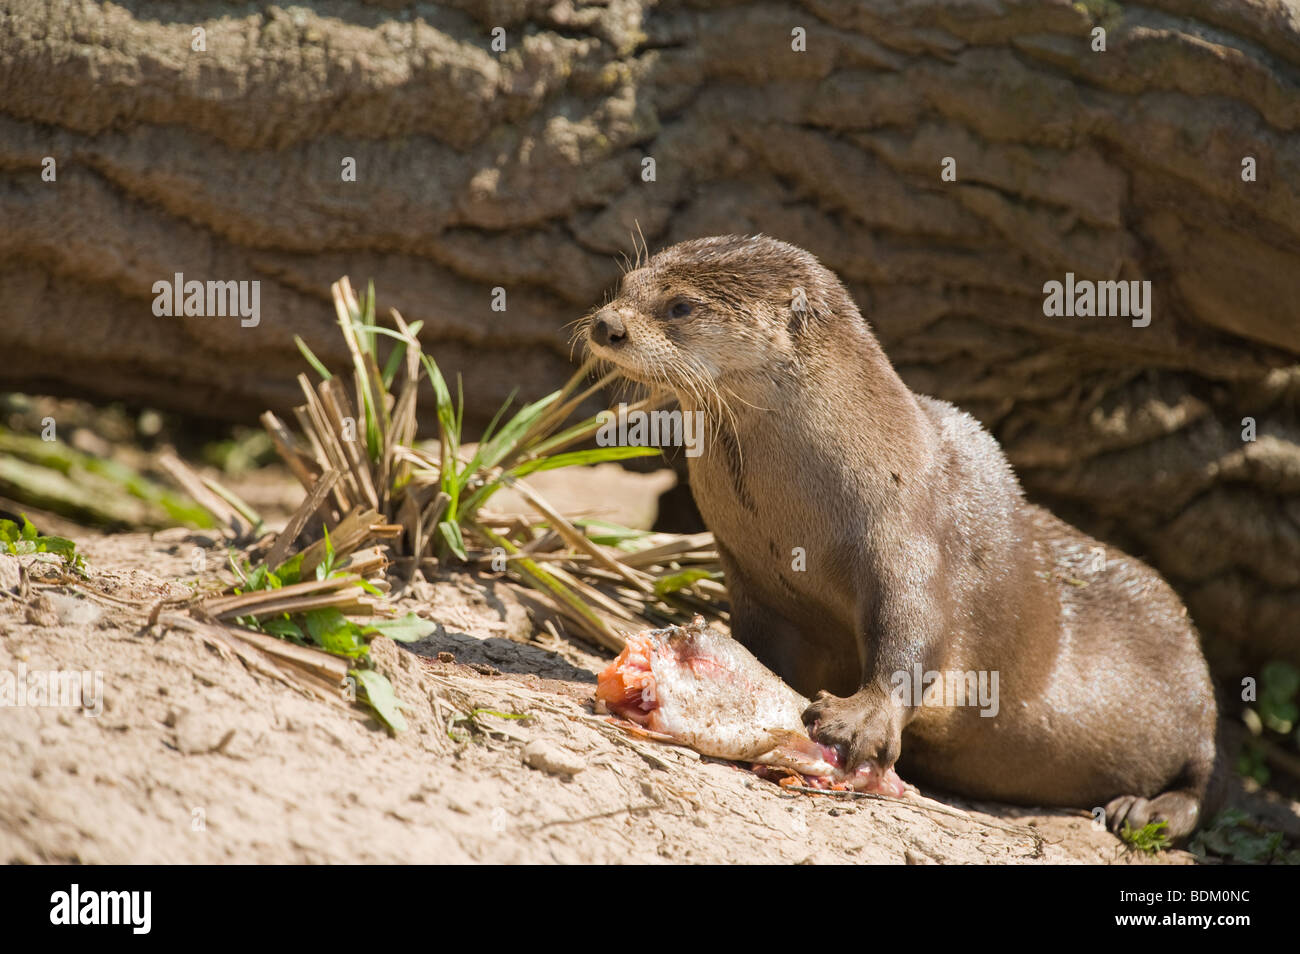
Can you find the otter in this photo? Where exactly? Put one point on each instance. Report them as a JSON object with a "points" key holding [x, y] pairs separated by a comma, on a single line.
{"points": [[869, 534]]}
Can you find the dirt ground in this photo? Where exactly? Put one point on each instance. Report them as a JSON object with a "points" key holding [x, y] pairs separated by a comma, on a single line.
{"points": [[197, 758]]}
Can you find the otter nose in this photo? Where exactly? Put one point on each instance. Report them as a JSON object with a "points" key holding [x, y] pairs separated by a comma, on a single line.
{"points": [[607, 329]]}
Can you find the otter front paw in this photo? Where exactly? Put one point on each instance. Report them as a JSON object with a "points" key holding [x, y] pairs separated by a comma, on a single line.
{"points": [[867, 726]]}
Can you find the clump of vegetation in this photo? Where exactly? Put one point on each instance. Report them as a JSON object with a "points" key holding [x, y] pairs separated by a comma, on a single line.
{"points": [[26, 539], [322, 610], [1150, 838], [375, 495], [437, 493]]}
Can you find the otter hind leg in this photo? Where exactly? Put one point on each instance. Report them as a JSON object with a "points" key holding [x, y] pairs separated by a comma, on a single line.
{"points": [[1198, 792], [1180, 809]]}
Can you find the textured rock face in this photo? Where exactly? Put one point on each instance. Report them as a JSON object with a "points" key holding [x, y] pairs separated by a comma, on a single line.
{"points": [[523, 170]]}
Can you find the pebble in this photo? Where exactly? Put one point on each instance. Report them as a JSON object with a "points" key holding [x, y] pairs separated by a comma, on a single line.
{"points": [[548, 757]]}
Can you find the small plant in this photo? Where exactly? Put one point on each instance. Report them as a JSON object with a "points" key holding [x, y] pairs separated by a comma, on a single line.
{"points": [[528, 442], [1238, 837], [26, 539], [1271, 721], [1150, 838], [325, 627], [321, 611], [436, 493]]}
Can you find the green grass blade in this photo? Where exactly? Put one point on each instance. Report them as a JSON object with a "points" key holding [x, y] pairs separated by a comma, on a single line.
{"points": [[567, 436], [608, 534], [543, 579], [314, 361], [596, 455], [679, 581], [505, 441], [450, 531], [496, 418], [446, 413]]}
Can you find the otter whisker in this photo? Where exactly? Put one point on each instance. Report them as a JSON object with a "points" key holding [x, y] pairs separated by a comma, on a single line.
{"points": [[712, 392], [645, 249]]}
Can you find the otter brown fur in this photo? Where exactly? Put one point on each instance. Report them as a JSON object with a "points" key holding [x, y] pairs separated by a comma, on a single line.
{"points": [[920, 549]]}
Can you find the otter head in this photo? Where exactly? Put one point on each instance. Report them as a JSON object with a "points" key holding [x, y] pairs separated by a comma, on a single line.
{"points": [[709, 313]]}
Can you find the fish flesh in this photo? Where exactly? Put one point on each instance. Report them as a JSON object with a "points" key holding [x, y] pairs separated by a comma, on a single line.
{"points": [[694, 686]]}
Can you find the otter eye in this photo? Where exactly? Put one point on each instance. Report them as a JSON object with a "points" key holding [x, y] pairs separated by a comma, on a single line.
{"points": [[680, 309]]}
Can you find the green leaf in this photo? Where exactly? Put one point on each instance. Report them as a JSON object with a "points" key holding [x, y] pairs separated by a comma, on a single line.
{"points": [[369, 316], [262, 578], [284, 628], [409, 629], [500, 715], [290, 570], [326, 566], [335, 633], [588, 427], [358, 322], [59, 545], [1236, 836], [450, 480], [679, 581], [28, 540], [476, 462], [379, 693]]}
